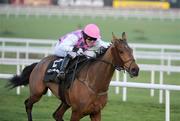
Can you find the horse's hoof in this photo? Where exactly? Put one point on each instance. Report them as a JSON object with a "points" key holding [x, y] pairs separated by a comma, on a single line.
{"points": [[60, 120]]}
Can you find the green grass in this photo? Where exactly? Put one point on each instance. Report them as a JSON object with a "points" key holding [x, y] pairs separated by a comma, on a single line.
{"points": [[139, 106], [139, 31]]}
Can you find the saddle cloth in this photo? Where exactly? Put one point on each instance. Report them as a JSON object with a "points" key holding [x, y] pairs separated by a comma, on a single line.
{"points": [[53, 70]]}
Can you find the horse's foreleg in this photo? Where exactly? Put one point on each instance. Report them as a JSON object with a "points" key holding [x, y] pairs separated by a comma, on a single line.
{"points": [[75, 116], [58, 114], [96, 116], [29, 105]]}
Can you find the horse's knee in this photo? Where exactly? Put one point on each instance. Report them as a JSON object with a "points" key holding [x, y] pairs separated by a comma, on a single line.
{"points": [[26, 101], [58, 114], [27, 104], [75, 116], [30, 101], [96, 116]]}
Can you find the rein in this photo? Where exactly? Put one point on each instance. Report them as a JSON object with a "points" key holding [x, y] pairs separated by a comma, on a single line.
{"points": [[119, 68]]}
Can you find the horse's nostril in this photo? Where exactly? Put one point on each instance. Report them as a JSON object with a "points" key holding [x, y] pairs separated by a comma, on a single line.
{"points": [[134, 71]]}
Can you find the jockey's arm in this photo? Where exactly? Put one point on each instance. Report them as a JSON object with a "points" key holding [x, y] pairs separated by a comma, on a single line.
{"points": [[101, 43], [67, 45]]}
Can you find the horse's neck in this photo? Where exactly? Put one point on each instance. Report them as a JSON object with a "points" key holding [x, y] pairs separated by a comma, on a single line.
{"points": [[101, 73]]}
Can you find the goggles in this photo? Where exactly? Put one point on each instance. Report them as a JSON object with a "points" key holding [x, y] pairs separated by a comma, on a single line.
{"points": [[91, 39]]}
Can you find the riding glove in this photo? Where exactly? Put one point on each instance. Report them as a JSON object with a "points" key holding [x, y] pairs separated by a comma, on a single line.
{"points": [[72, 54], [80, 51]]}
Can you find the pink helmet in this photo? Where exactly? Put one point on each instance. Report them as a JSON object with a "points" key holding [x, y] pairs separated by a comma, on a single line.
{"points": [[92, 30]]}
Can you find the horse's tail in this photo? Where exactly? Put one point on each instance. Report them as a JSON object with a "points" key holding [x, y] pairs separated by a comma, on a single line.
{"points": [[22, 79]]}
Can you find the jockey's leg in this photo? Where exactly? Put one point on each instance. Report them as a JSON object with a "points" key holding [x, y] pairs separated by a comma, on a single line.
{"points": [[65, 62]]}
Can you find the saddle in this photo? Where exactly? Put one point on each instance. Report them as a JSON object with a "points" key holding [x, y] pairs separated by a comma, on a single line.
{"points": [[72, 69]]}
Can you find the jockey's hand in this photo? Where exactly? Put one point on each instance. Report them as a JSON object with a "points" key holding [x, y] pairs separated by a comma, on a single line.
{"points": [[80, 51], [75, 49], [102, 50], [90, 53], [72, 54]]}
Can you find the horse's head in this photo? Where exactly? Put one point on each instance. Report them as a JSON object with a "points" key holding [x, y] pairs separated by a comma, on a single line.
{"points": [[123, 55]]}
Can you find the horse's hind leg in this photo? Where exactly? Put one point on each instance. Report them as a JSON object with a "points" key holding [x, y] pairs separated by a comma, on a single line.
{"points": [[58, 114], [36, 93], [29, 105]]}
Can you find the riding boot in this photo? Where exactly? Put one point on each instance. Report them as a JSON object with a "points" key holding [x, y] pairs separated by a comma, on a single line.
{"points": [[61, 75]]}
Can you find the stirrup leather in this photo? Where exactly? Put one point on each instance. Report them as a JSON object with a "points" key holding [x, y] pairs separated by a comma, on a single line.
{"points": [[61, 75]]}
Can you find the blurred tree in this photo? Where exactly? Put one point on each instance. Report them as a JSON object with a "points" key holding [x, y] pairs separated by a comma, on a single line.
{"points": [[108, 2], [54, 2], [4, 1], [174, 3]]}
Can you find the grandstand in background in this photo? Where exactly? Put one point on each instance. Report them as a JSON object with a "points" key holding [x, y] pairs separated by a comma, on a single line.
{"points": [[129, 4]]}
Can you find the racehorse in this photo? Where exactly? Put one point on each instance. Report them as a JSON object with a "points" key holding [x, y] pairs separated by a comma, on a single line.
{"points": [[88, 93]]}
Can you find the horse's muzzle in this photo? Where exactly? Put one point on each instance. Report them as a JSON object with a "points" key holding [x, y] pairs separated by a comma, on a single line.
{"points": [[134, 71]]}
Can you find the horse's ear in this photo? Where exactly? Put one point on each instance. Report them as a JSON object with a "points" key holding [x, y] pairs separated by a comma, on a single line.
{"points": [[124, 37], [113, 37]]}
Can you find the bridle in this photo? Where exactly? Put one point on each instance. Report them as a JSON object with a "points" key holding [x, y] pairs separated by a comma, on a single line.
{"points": [[123, 66], [128, 68], [115, 66]]}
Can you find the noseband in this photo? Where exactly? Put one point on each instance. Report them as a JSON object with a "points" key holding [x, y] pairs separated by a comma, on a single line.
{"points": [[126, 67]]}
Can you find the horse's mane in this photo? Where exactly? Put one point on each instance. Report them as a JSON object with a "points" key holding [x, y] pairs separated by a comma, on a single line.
{"points": [[88, 61]]}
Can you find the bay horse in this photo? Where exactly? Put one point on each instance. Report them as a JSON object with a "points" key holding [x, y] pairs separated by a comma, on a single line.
{"points": [[88, 93]]}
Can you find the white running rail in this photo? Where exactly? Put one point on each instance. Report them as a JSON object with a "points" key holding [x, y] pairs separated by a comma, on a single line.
{"points": [[160, 52]]}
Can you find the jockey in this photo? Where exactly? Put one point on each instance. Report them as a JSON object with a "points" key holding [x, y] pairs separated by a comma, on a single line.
{"points": [[78, 42]]}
